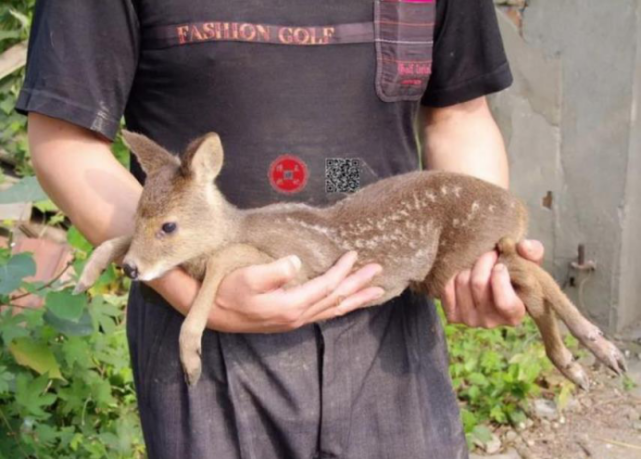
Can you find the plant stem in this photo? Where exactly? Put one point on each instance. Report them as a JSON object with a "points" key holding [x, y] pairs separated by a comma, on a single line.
{"points": [[48, 284]]}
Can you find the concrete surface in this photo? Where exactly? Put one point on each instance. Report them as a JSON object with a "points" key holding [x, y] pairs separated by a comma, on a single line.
{"points": [[573, 134]]}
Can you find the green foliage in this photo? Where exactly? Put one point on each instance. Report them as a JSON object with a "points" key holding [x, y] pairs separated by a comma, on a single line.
{"points": [[494, 373], [66, 387], [15, 23], [15, 20]]}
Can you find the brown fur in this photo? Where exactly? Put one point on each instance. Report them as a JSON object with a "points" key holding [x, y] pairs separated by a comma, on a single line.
{"points": [[422, 227]]}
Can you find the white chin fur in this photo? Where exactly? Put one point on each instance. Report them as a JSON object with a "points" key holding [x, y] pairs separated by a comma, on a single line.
{"points": [[151, 275]]}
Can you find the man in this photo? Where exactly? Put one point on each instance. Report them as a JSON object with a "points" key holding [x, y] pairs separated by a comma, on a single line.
{"points": [[287, 85]]}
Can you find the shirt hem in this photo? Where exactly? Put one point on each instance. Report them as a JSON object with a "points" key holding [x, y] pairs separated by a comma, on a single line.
{"points": [[50, 104], [489, 83]]}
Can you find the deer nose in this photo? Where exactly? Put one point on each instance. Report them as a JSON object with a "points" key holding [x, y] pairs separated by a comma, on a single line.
{"points": [[130, 270]]}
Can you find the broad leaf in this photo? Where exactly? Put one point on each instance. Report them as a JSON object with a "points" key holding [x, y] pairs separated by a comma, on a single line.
{"points": [[31, 395], [80, 327], [77, 240], [17, 268], [12, 326], [26, 190], [36, 356], [65, 305]]}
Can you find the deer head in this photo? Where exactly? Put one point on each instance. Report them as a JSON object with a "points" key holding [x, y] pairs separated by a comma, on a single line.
{"points": [[180, 207]]}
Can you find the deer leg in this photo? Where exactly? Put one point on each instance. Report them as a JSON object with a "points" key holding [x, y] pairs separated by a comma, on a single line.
{"points": [[555, 348], [106, 253], [191, 331], [530, 291], [586, 332], [590, 336]]}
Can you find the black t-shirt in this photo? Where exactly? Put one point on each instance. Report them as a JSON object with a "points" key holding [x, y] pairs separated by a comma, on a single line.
{"points": [[289, 85]]}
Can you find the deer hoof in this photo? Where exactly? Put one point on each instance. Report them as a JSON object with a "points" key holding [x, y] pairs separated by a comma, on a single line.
{"points": [[80, 287], [192, 367], [607, 353], [575, 373], [190, 352]]}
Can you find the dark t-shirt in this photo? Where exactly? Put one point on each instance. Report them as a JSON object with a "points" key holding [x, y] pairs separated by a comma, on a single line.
{"points": [[310, 98], [179, 69]]}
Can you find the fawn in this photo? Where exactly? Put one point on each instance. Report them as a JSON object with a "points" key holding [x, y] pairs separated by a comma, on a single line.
{"points": [[422, 227]]}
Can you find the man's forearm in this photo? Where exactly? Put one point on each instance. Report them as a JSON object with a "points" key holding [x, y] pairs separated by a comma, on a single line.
{"points": [[80, 174], [465, 138]]}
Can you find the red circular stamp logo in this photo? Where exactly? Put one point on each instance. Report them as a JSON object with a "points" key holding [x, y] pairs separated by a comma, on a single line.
{"points": [[288, 174]]}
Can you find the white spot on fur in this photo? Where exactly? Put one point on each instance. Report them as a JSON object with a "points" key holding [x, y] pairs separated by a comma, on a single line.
{"points": [[475, 206], [444, 190], [431, 196], [410, 225], [457, 191], [491, 208], [417, 202]]}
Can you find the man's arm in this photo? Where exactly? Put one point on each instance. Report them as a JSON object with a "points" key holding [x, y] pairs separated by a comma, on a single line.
{"points": [[80, 174], [465, 138]]}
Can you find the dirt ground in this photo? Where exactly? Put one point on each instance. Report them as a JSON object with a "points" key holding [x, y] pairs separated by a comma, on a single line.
{"points": [[602, 423]]}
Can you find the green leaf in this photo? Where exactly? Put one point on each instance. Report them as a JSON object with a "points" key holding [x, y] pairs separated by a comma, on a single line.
{"points": [[36, 356], [469, 420], [9, 34], [478, 379], [104, 313], [77, 240], [77, 350], [497, 414], [482, 434], [18, 267], [65, 305], [80, 327], [5, 378], [12, 326], [517, 416], [26, 190], [21, 17], [45, 206], [7, 106], [30, 395]]}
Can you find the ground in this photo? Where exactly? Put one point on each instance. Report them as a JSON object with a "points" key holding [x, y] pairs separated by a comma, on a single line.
{"points": [[602, 423]]}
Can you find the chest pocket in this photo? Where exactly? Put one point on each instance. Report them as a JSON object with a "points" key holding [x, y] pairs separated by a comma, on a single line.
{"points": [[404, 36]]}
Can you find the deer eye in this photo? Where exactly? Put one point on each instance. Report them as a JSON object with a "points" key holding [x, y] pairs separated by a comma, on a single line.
{"points": [[168, 228]]}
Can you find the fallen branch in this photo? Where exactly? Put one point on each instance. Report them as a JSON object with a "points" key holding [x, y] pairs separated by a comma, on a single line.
{"points": [[13, 59], [620, 443]]}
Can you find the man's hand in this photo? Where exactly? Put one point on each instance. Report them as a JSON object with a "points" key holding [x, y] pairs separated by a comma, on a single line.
{"points": [[253, 300], [483, 296]]}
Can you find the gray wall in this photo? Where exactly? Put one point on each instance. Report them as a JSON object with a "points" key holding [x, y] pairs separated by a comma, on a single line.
{"points": [[571, 126]]}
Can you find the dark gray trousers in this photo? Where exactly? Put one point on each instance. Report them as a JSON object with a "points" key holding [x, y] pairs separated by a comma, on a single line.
{"points": [[373, 384]]}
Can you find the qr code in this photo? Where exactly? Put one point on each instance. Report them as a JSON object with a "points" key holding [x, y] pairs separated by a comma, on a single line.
{"points": [[342, 175]]}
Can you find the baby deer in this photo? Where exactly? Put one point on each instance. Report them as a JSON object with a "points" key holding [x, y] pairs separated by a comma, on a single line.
{"points": [[421, 227]]}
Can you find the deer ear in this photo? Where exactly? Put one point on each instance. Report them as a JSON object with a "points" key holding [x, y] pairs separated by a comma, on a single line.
{"points": [[151, 156], [203, 158]]}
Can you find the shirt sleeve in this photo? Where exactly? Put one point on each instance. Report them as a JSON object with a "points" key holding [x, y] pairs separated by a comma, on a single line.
{"points": [[469, 59], [81, 62]]}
